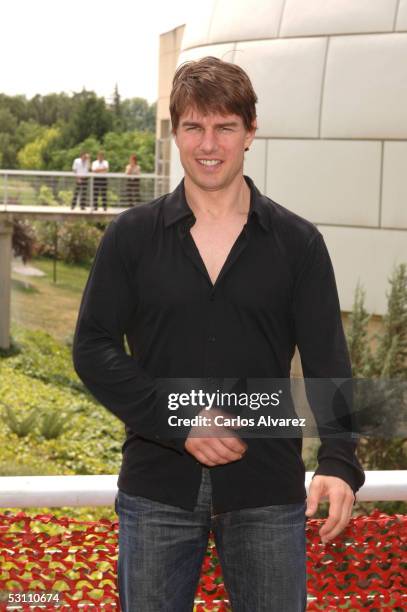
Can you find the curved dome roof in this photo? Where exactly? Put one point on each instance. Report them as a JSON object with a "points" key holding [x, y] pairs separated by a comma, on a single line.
{"points": [[219, 21]]}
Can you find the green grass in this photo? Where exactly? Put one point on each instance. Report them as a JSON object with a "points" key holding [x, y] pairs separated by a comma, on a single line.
{"points": [[69, 276], [39, 303], [23, 286]]}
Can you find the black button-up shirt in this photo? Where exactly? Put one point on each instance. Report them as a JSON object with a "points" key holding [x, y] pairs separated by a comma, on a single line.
{"points": [[276, 290]]}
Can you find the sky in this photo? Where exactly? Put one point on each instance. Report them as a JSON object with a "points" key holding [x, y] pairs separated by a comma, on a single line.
{"points": [[52, 46]]}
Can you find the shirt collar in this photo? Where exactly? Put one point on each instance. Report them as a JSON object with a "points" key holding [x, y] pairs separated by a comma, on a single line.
{"points": [[176, 207]]}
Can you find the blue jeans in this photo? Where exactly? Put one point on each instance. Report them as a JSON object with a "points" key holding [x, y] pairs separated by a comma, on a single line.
{"points": [[161, 549]]}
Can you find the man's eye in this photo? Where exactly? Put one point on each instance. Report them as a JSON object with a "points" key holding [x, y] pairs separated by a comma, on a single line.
{"points": [[192, 127], [226, 129]]}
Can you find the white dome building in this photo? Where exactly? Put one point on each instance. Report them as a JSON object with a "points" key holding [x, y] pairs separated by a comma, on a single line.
{"points": [[331, 79]]}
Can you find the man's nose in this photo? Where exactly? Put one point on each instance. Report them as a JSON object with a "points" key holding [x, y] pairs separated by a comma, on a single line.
{"points": [[208, 141]]}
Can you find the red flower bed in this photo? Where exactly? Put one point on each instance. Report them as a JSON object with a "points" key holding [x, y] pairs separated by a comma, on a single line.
{"points": [[362, 569]]}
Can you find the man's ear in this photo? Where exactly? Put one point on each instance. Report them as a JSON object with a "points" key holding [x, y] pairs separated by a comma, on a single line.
{"points": [[250, 135], [174, 135]]}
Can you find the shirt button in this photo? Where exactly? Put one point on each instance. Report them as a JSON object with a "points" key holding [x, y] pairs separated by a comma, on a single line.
{"points": [[212, 339]]}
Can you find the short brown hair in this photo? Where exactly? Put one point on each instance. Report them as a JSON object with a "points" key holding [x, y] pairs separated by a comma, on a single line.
{"points": [[212, 86]]}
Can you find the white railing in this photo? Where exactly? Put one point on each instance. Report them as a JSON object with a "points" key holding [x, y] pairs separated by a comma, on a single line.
{"points": [[57, 491], [113, 189]]}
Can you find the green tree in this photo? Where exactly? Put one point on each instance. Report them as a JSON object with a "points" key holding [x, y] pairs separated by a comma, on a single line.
{"points": [[391, 354], [35, 154], [8, 151], [90, 117], [118, 123], [8, 125], [138, 115], [26, 132], [151, 117], [17, 105], [118, 147], [50, 109], [8, 122], [357, 336]]}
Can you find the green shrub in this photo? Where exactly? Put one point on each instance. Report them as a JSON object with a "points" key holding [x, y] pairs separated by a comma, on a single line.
{"points": [[41, 356], [44, 238], [46, 196], [112, 197], [72, 241], [52, 425], [20, 426], [386, 363], [78, 241], [65, 197]]}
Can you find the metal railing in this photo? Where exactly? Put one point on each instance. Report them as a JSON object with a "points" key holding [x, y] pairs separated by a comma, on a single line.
{"points": [[65, 189], [58, 491]]}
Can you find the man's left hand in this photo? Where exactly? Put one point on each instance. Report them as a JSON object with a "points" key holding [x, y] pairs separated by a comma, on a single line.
{"points": [[341, 499]]}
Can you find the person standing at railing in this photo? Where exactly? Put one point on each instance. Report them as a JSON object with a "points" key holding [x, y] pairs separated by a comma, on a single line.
{"points": [[100, 166], [133, 182], [81, 168]]}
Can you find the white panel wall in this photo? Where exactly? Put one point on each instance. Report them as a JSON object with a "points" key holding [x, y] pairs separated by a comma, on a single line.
{"points": [[287, 76], [366, 255], [176, 169], [365, 94], [401, 23], [310, 17], [261, 19], [255, 163], [326, 181], [164, 84], [197, 29], [394, 203]]}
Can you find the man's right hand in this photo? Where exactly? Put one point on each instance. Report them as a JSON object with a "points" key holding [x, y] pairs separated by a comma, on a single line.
{"points": [[215, 444]]}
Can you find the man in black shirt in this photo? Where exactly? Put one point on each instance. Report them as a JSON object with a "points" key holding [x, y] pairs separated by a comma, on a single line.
{"points": [[213, 282]]}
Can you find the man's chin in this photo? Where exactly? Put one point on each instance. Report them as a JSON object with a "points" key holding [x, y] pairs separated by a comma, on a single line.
{"points": [[210, 183]]}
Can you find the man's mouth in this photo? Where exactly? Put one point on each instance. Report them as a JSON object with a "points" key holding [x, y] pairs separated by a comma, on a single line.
{"points": [[210, 162]]}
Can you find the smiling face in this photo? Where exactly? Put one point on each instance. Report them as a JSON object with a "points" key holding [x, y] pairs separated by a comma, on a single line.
{"points": [[212, 147]]}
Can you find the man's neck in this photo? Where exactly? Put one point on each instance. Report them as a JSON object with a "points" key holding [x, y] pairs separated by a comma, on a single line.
{"points": [[220, 204]]}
